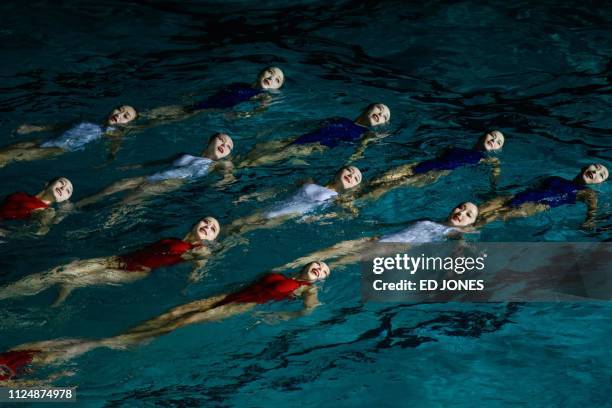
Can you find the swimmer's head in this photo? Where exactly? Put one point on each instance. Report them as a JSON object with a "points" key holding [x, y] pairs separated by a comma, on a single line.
{"points": [[207, 229], [493, 140], [122, 115], [374, 115], [315, 271], [270, 78], [594, 174], [348, 177], [463, 215], [59, 188], [219, 146]]}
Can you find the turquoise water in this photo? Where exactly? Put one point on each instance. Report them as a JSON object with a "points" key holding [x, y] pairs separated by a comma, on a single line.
{"points": [[449, 71]]}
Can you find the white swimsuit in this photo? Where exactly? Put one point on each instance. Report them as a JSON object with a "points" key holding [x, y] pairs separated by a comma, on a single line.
{"points": [[308, 198], [77, 137], [185, 167], [419, 233]]}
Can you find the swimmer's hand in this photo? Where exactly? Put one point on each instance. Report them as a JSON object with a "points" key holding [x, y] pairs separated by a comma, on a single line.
{"points": [[26, 129], [589, 225]]}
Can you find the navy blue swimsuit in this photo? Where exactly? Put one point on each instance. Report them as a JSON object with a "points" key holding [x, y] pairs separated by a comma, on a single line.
{"points": [[450, 160], [333, 132], [554, 191], [228, 97]]}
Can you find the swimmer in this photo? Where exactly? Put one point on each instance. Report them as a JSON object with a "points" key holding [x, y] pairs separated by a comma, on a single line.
{"points": [[22, 206], [73, 139], [460, 220], [306, 200], [121, 269], [429, 171], [551, 192], [270, 287], [184, 168], [268, 79], [331, 133]]}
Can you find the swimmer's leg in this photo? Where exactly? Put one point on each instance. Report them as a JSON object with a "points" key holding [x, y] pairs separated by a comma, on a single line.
{"points": [[495, 204], [181, 316], [394, 174], [340, 250], [26, 151], [290, 151], [121, 185], [54, 351]]}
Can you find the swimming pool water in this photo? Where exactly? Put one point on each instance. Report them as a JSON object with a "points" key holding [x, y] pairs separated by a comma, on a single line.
{"points": [[449, 71]]}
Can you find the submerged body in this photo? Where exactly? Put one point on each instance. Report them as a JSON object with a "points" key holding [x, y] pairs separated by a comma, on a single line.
{"points": [[549, 193], [328, 135], [460, 220], [429, 171], [270, 287], [119, 269]]}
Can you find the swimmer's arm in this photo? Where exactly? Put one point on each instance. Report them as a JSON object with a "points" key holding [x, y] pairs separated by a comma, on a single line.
{"points": [[36, 383], [226, 168], [261, 107], [589, 197], [262, 195], [198, 271], [165, 114], [311, 302], [369, 138], [335, 251], [49, 217], [27, 129], [495, 169]]}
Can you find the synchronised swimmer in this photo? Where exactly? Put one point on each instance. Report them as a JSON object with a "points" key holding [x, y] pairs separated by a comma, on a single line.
{"points": [[312, 201]]}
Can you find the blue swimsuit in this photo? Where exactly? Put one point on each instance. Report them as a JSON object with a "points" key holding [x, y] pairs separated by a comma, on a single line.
{"points": [[77, 137], [228, 97], [554, 191], [333, 132], [449, 160]]}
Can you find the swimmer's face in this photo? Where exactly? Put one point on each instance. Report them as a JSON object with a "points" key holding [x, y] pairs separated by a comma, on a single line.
{"points": [[463, 215], [207, 229], [220, 146], [315, 271], [595, 174], [348, 177], [122, 115], [61, 189], [493, 141], [376, 114], [270, 78]]}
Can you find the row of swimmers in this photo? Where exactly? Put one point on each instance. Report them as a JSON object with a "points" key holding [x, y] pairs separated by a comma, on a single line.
{"points": [[196, 246], [273, 286], [309, 199]]}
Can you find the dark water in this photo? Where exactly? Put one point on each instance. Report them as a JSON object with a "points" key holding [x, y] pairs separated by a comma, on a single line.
{"points": [[449, 71]]}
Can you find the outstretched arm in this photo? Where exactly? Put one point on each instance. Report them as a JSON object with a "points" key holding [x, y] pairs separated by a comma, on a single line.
{"points": [[310, 299], [27, 129], [121, 185], [339, 250], [226, 168], [495, 169], [369, 138], [589, 197]]}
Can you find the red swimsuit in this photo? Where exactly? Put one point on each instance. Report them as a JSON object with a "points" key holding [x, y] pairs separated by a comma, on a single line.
{"points": [[12, 362], [19, 206], [272, 286], [164, 252]]}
